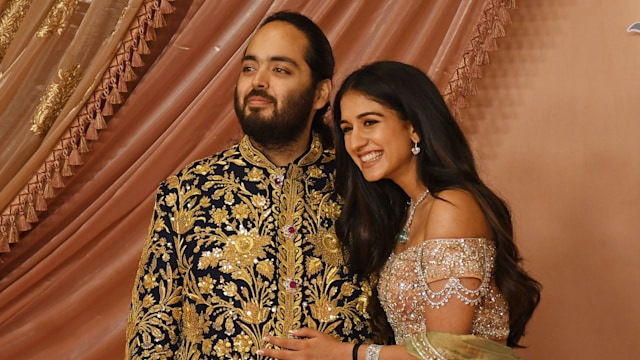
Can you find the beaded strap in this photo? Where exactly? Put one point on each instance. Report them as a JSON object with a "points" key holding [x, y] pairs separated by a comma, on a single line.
{"points": [[437, 299]]}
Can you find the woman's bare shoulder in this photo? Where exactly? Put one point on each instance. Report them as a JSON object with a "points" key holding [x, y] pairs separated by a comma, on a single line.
{"points": [[456, 213]]}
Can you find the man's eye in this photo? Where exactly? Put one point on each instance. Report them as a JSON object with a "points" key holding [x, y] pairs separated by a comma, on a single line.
{"points": [[281, 70], [247, 68]]}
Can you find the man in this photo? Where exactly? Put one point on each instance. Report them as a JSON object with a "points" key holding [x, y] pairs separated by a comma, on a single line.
{"points": [[242, 244]]}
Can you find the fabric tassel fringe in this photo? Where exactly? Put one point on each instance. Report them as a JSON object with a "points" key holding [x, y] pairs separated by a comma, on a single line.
{"points": [[20, 213], [491, 26]]}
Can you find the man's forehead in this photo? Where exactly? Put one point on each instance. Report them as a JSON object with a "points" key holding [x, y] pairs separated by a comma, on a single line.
{"points": [[277, 39], [271, 59]]}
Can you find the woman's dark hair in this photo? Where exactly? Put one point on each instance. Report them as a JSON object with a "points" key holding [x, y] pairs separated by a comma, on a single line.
{"points": [[374, 212], [319, 57]]}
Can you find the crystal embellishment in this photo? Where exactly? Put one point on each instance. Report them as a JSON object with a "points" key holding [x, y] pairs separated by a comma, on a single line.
{"points": [[289, 231], [277, 180], [290, 285], [403, 236]]}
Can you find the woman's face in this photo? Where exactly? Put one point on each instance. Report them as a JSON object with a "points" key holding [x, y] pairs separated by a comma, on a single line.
{"points": [[377, 139]]}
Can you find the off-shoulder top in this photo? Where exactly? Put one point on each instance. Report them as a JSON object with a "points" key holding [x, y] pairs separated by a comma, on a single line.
{"points": [[405, 295]]}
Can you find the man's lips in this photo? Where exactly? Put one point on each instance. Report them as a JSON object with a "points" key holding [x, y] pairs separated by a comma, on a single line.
{"points": [[259, 98], [258, 101]]}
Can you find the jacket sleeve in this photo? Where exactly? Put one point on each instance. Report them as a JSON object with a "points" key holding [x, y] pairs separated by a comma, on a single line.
{"points": [[153, 329]]}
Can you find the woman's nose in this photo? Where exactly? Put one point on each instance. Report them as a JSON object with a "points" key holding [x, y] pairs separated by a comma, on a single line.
{"points": [[356, 139]]}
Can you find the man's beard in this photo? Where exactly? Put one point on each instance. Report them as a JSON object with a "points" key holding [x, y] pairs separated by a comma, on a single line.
{"points": [[283, 126]]}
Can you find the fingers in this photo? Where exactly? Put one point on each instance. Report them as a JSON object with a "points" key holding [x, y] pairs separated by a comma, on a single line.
{"points": [[288, 348], [306, 333], [304, 343], [285, 343]]}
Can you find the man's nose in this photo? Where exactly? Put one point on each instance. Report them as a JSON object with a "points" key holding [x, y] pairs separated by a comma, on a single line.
{"points": [[260, 80]]}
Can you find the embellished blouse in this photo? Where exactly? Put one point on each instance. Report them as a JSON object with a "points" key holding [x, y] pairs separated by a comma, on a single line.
{"points": [[238, 249], [405, 293]]}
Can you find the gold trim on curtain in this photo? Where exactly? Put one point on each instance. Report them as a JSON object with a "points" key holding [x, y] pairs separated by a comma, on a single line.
{"points": [[11, 17], [483, 40], [55, 97], [65, 286], [102, 97], [58, 18], [21, 213]]}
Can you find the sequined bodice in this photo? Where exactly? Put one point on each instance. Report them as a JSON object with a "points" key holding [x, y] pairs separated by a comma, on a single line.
{"points": [[405, 295]]}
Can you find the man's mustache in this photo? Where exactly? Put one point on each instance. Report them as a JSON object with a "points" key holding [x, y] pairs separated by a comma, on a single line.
{"points": [[260, 93]]}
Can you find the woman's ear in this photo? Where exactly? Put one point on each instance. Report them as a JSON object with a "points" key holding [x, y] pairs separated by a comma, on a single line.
{"points": [[323, 91], [415, 137]]}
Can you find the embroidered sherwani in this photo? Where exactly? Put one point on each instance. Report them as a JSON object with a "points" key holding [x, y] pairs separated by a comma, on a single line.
{"points": [[239, 248]]}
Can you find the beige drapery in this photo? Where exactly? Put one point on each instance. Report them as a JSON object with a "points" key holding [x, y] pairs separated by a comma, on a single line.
{"points": [[135, 91]]}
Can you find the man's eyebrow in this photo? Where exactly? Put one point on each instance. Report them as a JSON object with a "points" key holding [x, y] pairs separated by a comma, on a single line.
{"points": [[249, 57], [273, 59], [284, 59]]}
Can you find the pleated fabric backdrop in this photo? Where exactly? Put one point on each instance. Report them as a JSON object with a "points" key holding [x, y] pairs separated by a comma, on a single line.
{"points": [[101, 100]]}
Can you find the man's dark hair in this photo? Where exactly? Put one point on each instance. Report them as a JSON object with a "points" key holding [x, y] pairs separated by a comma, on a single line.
{"points": [[319, 58]]}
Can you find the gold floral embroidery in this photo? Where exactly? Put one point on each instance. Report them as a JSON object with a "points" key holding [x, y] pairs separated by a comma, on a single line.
{"points": [[328, 248], [191, 328], [58, 18], [242, 344], [223, 349], [255, 174], [11, 17], [234, 255], [55, 98], [202, 169]]}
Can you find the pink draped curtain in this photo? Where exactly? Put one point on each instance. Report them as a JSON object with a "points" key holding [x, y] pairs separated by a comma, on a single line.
{"points": [[154, 94]]}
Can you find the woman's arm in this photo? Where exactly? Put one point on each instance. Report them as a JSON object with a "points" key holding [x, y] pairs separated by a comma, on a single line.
{"points": [[454, 215]]}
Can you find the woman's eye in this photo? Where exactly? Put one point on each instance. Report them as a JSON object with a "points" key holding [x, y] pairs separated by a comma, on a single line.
{"points": [[370, 122], [345, 129]]}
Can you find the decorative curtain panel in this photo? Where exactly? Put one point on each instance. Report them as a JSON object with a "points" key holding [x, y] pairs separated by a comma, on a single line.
{"points": [[101, 100]]}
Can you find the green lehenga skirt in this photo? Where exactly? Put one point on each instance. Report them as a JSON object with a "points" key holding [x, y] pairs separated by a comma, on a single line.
{"points": [[444, 346]]}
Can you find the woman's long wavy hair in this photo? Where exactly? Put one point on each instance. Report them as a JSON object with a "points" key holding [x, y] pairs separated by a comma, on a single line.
{"points": [[374, 212]]}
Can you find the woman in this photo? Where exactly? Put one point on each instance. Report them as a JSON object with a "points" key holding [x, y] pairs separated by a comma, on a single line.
{"points": [[420, 223]]}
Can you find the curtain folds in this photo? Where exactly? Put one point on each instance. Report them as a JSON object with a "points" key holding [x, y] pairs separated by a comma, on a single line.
{"points": [[106, 105]]}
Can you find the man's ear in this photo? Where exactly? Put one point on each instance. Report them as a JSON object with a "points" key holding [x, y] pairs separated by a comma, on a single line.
{"points": [[323, 91]]}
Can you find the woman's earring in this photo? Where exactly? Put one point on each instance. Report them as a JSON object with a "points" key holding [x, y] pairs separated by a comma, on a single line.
{"points": [[415, 150]]}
